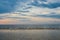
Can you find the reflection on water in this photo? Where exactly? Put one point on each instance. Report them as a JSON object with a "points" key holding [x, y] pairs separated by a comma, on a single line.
{"points": [[29, 34]]}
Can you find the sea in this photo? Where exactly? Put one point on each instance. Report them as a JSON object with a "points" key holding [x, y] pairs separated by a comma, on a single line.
{"points": [[43, 34]]}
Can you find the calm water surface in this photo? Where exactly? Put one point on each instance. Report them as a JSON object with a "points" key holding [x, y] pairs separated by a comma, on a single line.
{"points": [[29, 34]]}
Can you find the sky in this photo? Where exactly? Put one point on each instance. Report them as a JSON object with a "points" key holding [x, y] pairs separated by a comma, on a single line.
{"points": [[29, 11]]}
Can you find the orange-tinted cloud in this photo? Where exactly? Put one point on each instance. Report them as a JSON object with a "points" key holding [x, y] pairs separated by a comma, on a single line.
{"points": [[7, 21]]}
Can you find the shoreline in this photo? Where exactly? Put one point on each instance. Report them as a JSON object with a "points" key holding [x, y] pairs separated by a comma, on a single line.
{"points": [[29, 29]]}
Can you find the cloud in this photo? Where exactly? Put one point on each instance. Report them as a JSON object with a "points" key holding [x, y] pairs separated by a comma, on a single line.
{"points": [[42, 12], [16, 18], [30, 11], [48, 16], [7, 6], [46, 3]]}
